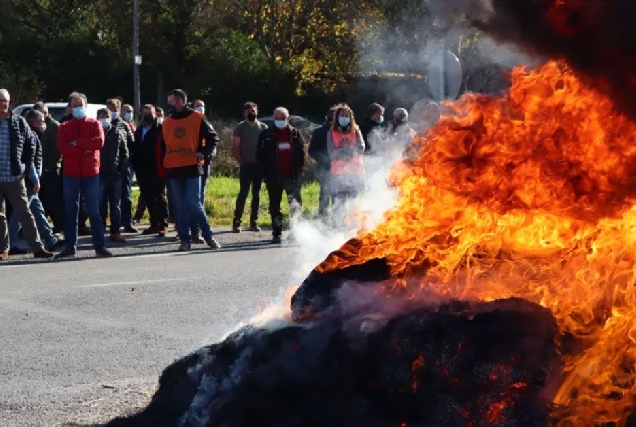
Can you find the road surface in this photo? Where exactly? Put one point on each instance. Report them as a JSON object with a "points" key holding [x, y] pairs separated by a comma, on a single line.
{"points": [[84, 340]]}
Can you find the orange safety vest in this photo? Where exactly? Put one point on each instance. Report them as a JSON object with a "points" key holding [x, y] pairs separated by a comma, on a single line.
{"points": [[181, 137], [353, 166]]}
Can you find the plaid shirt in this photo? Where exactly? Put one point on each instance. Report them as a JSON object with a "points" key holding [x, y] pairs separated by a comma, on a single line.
{"points": [[5, 154]]}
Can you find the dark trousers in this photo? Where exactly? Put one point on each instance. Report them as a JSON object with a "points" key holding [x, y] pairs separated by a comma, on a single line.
{"points": [[141, 205], [52, 198], [326, 196], [250, 176], [153, 190], [126, 198], [110, 197], [275, 190]]}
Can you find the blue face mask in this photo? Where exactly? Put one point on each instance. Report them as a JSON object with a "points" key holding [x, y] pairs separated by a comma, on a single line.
{"points": [[128, 116], [79, 112], [343, 121], [200, 109], [114, 115], [381, 120], [280, 124], [105, 123]]}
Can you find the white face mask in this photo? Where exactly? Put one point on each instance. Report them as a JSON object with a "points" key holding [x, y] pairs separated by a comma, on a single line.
{"points": [[200, 109], [159, 120]]}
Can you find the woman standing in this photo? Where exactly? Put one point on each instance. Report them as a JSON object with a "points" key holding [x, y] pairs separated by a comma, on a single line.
{"points": [[345, 146]]}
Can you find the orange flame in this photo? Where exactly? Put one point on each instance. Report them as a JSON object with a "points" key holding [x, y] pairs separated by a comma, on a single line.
{"points": [[528, 195]]}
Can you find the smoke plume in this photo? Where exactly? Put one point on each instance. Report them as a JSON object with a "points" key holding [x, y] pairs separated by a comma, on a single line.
{"points": [[595, 37]]}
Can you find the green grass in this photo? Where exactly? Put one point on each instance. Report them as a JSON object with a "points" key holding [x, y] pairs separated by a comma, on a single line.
{"points": [[220, 198]]}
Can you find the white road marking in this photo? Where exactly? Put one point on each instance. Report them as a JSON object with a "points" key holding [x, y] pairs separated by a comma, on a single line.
{"points": [[141, 282]]}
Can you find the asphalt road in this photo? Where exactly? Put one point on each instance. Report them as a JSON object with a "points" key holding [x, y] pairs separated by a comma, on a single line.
{"points": [[84, 340]]}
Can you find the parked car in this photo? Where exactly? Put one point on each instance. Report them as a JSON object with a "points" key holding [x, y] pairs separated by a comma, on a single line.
{"points": [[57, 109], [300, 123]]}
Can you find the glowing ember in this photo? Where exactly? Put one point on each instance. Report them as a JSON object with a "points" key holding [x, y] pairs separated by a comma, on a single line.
{"points": [[529, 195]]}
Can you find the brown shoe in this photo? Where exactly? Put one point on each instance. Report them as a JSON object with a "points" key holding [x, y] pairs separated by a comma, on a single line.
{"points": [[197, 240], [117, 238], [4, 256], [44, 254]]}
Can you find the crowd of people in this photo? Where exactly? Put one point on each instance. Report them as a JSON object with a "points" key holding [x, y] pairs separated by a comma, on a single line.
{"points": [[81, 169]]}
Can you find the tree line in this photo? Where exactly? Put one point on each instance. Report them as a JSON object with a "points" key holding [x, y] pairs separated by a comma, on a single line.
{"points": [[305, 54]]}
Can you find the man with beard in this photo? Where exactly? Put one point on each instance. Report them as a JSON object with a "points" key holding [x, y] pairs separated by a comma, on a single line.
{"points": [[51, 183], [151, 185], [183, 150], [37, 123], [244, 147]]}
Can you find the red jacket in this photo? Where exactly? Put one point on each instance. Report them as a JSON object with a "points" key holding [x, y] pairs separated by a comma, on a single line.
{"points": [[81, 160]]}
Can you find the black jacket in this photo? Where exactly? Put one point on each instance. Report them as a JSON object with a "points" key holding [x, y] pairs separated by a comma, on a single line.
{"points": [[318, 146], [267, 154], [113, 157], [366, 127], [207, 132], [51, 157], [37, 159], [143, 156], [23, 144], [119, 123]]}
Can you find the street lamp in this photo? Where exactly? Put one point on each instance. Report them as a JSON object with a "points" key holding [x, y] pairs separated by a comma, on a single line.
{"points": [[136, 56]]}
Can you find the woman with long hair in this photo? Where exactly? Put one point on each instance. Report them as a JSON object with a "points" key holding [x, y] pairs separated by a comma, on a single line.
{"points": [[345, 146]]}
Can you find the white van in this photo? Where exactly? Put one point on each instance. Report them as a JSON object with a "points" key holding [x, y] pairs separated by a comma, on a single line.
{"points": [[56, 109]]}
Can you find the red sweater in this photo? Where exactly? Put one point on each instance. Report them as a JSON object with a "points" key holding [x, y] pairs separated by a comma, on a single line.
{"points": [[285, 158], [81, 160]]}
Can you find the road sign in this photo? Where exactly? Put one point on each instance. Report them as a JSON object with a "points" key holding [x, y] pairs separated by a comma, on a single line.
{"points": [[445, 75]]}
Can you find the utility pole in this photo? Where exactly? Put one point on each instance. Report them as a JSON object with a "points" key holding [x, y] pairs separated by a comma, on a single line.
{"points": [[136, 56]]}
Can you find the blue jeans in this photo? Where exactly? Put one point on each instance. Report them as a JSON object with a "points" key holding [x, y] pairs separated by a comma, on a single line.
{"points": [[188, 207], [89, 189], [126, 198], [194, 227], [45, 230], [110, 197]]}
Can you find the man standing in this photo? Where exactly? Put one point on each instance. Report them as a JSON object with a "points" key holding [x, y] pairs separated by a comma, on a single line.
{"points": [[36, 122], [244, 147], [183, 151], [318, 152], [113, 163], [51, 183], [80, 140], [282, 157], [151, 185], [198, 105], [370, 126], [127, 113], [17, 153], [122, 123]]}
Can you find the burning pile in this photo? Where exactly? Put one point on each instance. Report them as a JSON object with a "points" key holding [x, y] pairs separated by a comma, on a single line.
{"points": [[499, 291]]}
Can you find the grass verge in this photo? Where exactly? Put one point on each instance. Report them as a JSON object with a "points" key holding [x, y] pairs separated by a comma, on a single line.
{"points": [[220, 199]]}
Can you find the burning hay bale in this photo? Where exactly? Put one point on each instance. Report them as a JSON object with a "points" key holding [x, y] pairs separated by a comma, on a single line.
{"points": [[481, 364]]}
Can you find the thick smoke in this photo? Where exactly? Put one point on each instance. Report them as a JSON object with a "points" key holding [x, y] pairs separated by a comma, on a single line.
{"points": [[596, 37]]}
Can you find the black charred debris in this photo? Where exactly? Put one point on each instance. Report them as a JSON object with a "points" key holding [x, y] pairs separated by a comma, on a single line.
{"points": [[458, 364]]}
